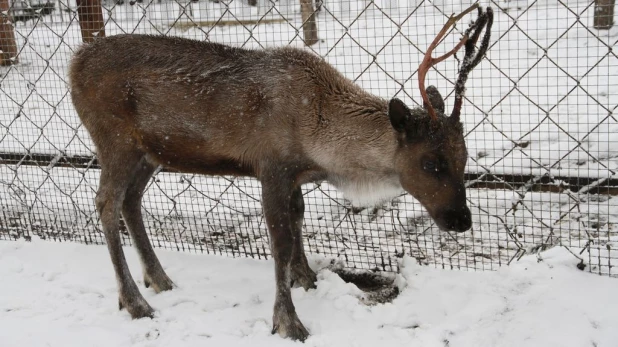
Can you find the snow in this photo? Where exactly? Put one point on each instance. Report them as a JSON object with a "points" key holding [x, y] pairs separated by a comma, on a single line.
{"points": [[64, 294]]}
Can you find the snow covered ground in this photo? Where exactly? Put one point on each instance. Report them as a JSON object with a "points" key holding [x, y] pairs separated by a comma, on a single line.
{"points": [[64, 294]]}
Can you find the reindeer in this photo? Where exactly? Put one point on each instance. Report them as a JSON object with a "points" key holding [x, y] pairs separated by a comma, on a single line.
{"points": [[281, 115]]}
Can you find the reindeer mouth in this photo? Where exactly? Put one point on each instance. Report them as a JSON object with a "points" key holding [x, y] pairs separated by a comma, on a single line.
{"points": [[458, 220]]}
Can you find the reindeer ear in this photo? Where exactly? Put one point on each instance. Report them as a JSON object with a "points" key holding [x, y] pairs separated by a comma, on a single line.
{"points": [[436, 99], [399, 114]]}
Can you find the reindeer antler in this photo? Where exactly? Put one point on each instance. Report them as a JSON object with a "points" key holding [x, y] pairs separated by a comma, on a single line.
{"points": [[470, 62], [429, 61]]}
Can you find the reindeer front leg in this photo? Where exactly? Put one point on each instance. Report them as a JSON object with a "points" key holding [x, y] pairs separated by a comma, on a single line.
{"points": [[302, 275], [277, 191]]}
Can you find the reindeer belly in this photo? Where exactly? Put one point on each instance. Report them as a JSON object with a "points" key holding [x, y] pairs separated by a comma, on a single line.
{"points": [[192, 148], [203, 134]]}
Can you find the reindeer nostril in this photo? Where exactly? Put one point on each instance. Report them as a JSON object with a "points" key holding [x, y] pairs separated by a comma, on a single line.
{"points": [[459, 219]]}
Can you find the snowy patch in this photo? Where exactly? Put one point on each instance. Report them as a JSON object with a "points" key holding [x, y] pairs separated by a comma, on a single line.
{"points": [[64, 294]]}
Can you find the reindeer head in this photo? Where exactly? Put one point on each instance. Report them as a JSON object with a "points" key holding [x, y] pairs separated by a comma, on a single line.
{"points": [[432, 154]]}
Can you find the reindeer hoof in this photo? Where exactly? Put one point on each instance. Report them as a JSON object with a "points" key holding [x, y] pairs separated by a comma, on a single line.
{"points": [[304, 277], [295, 331], [289, 326], [137, 307], [159, 283]]}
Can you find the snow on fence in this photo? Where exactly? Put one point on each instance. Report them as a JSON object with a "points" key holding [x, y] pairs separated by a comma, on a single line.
{"points": [[539, 118]]}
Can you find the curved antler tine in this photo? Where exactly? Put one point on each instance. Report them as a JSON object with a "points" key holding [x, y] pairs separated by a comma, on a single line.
{"points": [[477, 26], [489, 18], [471, 60], [429, 61]]}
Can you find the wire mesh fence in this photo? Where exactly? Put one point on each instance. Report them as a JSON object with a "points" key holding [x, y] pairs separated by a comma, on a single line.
{"points": [[538, 117]]}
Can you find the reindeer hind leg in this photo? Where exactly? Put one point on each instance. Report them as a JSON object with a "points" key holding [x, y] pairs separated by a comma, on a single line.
{"points": [[116, 171], [154, 275]]}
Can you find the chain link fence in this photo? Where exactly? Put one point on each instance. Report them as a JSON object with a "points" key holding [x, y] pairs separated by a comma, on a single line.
{"points": [[539, 119]]}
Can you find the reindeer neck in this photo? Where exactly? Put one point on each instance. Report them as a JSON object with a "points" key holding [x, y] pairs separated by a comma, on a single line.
{"points": [[355, 144]]}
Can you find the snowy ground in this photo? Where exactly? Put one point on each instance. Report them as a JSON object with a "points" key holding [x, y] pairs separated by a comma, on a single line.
{"points": [[64, 294]]}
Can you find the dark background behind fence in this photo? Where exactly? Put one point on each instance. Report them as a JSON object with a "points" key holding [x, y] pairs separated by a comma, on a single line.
{"points": [[539, 121]]}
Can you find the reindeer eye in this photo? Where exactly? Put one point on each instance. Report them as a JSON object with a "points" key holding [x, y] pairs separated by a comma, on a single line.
{"points": [[429, 165]]}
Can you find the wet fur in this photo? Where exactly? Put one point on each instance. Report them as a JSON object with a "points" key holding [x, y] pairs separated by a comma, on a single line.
{"points": [[282, 115]]}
